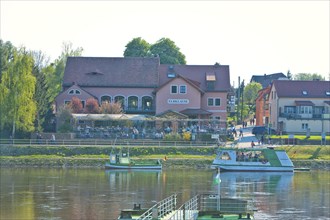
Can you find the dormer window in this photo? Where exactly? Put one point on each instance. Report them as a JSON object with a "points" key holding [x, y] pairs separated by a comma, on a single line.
{"points": [[74, 91], [327, 93], [304, 92], [170, 75]]}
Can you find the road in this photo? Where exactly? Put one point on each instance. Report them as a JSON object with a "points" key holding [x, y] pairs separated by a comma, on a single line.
{"points": [[248, 137]]}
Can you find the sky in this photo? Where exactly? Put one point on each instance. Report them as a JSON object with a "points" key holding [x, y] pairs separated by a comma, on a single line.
{"points": [[252, 37]]}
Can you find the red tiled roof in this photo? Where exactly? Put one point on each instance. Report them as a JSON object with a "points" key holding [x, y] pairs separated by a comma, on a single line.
{"points": [[197, 73], [295, 89], [111, 71]]}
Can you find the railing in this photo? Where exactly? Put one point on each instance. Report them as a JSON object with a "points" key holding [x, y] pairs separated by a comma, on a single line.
{"points": [[161, 209], [104, 142], [304, 116], [188, 210]]}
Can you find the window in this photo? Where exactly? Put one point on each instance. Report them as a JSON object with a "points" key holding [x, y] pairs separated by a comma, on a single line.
{"points": [[290, 109], [213, 102], [183, 89], [170, 75], [210, 101], [304, 126], [105, 98], [217, 102], [74, 91], [174, 89], [133, 102], [304, 109]]}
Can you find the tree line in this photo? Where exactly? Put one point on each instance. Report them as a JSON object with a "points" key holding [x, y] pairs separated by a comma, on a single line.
{"points": [[29, 83]]}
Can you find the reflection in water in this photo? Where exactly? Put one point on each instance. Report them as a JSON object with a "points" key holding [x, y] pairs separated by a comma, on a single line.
{"points": [[35, 193]]}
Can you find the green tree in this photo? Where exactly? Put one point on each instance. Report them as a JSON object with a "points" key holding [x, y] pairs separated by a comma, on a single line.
{"points": [[168, 52], [63, 116], [17, 90], [250, 94], [164, 48], [41, 97], [55, 72], [308, 76], [138, 47]]}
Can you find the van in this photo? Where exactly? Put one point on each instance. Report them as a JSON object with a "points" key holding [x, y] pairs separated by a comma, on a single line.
{"points": [[262, 130]]}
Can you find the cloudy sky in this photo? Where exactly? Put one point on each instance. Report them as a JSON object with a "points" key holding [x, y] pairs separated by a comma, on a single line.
{"points": [[252, 37]]}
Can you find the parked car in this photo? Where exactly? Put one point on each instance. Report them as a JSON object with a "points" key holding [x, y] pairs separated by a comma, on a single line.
{"points": [[262, 130]]}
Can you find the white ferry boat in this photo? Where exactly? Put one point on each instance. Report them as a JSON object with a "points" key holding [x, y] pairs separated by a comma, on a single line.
{"points": [[252, 159]]}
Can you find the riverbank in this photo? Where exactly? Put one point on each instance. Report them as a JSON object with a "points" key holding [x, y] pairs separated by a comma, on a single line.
{"points": [[313, 157], [68, 162]]}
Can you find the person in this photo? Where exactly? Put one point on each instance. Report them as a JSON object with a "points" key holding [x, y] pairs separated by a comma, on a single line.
{"points": [[53, 139], [262, 139], [252, 144], [241, 132]]}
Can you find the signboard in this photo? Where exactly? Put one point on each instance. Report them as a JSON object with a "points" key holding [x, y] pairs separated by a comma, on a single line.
{"points": [[178, 101], [215, 136]]}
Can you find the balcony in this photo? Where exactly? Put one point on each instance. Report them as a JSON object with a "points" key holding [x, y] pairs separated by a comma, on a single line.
{"points": [[295, 116]]}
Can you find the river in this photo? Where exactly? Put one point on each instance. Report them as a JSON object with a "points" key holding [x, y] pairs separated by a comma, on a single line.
{"points": [[43, 193]]}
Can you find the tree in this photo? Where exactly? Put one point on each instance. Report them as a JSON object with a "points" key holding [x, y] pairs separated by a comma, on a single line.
{"points": [[137, 48], [92, 106], [55, 72], [17, 90], [41, 97], [63, 116], [308, 76], [250, 94], [289, 75], [111, 108], [164, 48], [76, 105], [168, 52], [6, 55]]}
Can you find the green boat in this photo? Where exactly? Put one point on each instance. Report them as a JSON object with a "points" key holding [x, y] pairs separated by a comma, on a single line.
{"points": [[123, 161]]}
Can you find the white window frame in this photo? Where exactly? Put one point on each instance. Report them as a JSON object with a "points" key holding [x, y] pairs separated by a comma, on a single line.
{"points": [[185, 89]]}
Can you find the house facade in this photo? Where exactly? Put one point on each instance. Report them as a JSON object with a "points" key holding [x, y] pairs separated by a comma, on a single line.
{"points": [[262, 107], [300, 106], [144, 86]]}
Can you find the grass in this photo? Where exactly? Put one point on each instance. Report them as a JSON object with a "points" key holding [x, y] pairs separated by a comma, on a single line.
{"points": [[302, 137]]}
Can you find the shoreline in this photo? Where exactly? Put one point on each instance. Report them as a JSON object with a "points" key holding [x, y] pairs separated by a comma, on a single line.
{"points": [[67, 162]]}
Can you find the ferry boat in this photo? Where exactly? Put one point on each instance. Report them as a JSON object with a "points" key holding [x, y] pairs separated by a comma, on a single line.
{"points": [[252, 159], [122, 160]]}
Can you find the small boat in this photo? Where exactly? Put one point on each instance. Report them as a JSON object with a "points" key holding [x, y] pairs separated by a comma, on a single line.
{"points": [[122, 160], [252, 159]]}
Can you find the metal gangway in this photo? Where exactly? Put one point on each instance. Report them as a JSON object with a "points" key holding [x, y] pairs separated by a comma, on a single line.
{"points": [[212, 203], [161, 209]]}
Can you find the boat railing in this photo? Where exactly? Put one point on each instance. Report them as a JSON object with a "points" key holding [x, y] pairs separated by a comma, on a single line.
{"points": [[161, 209], [212, 204], [189, 210]]}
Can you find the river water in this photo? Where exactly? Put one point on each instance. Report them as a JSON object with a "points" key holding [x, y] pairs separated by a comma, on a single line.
{"points": [[41, 193]]}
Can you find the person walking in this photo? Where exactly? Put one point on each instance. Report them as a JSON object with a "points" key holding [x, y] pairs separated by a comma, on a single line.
{"points": [[252, 144]]}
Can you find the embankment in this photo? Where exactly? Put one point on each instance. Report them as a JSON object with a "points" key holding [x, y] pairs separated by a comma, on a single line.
{"points": [[313, 157]]}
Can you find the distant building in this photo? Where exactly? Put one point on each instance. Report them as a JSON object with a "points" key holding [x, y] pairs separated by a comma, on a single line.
{"points": [[262, 107], [144, 86], [266, 80], [300, 106]]}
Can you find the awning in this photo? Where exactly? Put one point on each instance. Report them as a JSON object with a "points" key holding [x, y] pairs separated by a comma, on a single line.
{"points": [[192, 111], [304, 103]]}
